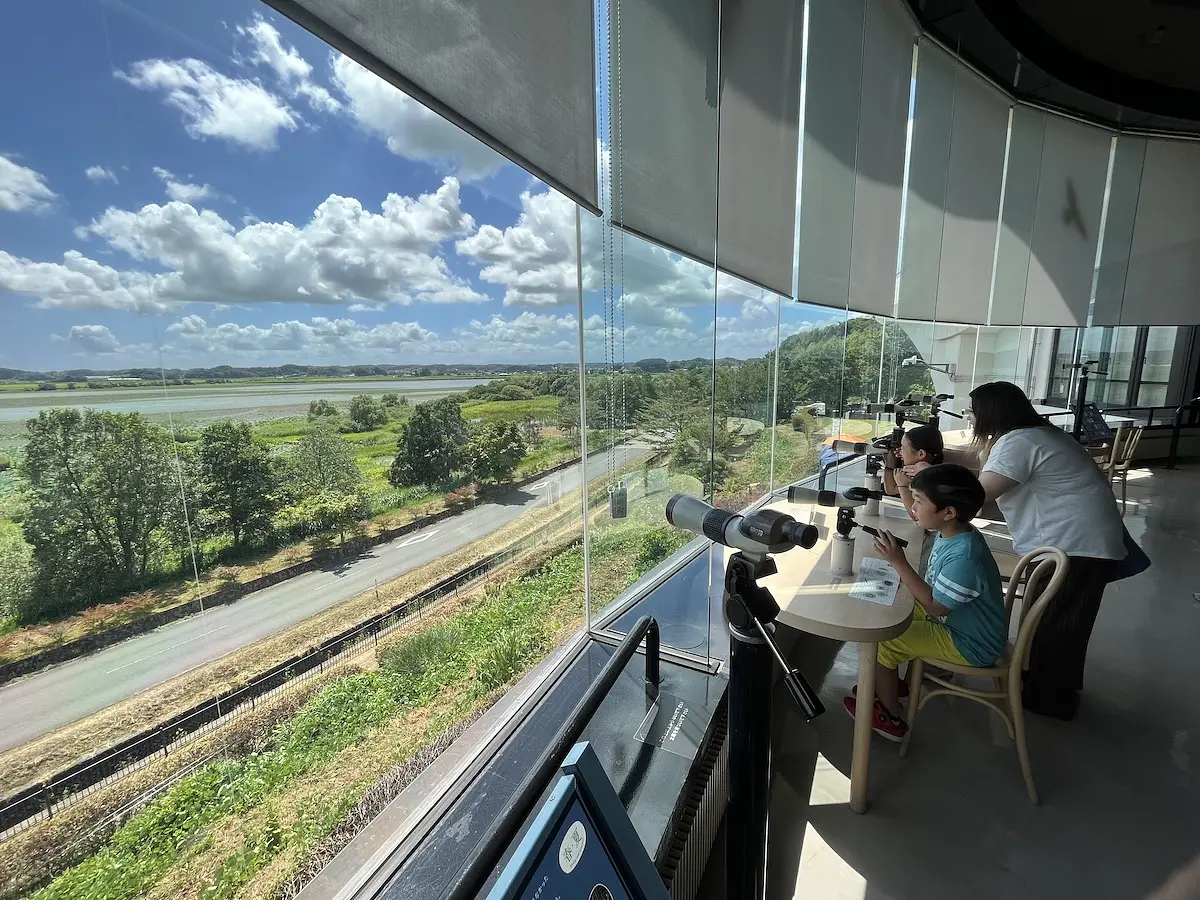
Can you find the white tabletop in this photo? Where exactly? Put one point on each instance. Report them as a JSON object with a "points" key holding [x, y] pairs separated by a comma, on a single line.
{"points": [[813, 599]]}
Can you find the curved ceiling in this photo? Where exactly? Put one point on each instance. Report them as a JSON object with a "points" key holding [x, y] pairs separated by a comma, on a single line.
{"points": [[1122, 63]]}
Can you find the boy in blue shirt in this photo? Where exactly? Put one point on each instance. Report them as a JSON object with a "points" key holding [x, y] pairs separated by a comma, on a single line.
{"points": [[959, 611]]}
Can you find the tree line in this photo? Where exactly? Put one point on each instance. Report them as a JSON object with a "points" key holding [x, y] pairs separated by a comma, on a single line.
{"points": [[113, 500]]}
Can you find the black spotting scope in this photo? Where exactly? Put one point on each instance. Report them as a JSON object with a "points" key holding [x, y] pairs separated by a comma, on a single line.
{"points": [[762, 531]]}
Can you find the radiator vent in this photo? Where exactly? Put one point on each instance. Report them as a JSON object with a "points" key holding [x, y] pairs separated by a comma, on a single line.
{"points": [[707, 795]]}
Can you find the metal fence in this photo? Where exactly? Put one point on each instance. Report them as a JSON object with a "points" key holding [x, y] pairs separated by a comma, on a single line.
{"points": [[39, 802]]}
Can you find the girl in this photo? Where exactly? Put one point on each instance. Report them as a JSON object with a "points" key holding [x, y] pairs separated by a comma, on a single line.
{"points": [[920, 448]]}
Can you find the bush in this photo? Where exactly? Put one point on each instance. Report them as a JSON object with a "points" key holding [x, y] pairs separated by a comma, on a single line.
{"points": [[417, 659], [802, 420], [508, 656], [656, 545]]}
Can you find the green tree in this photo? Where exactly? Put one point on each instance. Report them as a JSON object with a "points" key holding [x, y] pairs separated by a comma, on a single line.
{"points": [[393, 401], [238, 481], [325, 484], [494, 451], [100, 488], [318, 409], [16, 575], [566, 420], [430, 449], [367, 413]]}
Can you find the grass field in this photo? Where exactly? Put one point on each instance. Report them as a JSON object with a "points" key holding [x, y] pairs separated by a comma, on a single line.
{"points": [[244, 826]]}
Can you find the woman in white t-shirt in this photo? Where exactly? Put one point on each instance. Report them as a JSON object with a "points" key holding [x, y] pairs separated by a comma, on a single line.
{"points": [[1052, 494]]}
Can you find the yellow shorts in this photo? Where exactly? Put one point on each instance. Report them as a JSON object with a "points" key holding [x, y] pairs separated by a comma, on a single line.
{"points": [[925, 638]]}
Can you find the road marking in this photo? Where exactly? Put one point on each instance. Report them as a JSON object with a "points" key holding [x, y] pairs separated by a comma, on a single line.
{"points": [[167, 649], [539, 485], [416, 539]]}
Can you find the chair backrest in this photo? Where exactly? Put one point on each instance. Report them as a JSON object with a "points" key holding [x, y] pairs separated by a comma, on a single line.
{"points": [[1124, 445], [1040, 574]]}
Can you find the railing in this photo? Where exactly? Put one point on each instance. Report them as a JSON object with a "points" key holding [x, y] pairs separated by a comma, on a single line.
{"points": [[493, 844], [42, 801], [1150, 416]]}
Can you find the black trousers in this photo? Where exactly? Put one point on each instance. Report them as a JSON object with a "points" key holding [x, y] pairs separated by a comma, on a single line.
{"points": [[1059, 650]]}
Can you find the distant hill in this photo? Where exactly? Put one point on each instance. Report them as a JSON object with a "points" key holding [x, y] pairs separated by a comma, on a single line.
{"points": [[232, 373], [288, 371]]}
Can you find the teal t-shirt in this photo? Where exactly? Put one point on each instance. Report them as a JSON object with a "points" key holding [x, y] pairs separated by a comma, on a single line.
{"points": [[965, 579]]}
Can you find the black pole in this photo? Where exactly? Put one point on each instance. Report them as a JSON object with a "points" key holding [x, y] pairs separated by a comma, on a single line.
{"points": [[749, 766], [750, 611], [1175, 430], [1080, 400], [491, 847]]}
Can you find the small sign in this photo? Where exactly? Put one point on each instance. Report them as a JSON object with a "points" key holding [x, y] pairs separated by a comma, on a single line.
{"points": [[673, 724], [581, 845]]}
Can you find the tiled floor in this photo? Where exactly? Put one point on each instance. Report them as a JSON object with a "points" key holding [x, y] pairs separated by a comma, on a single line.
{"points": [[1120, 785]]}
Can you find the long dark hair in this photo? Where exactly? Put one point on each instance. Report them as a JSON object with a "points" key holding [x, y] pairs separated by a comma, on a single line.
{"points": [[1001, 407], [929, 439]]}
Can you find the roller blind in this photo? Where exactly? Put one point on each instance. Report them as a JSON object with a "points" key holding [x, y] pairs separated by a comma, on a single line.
{"points": [[859, 73], [956, 169], [663, 94], [1119, 218], [1066, 227], [1016, 221], [1163, 283], [674, 62], [762, 43], [516, 74]]}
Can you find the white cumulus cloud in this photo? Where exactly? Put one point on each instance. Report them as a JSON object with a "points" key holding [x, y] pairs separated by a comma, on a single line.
{"points": [[528, 331], [344, 254], [410, 130], [99, 173], [318, 337], [183, 191], [214, 105], [292, 70], [22, 189], [534, 258], [93, 339]]}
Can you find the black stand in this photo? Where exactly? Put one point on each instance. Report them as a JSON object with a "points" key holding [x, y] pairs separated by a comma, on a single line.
{"points": [[750, 611]]}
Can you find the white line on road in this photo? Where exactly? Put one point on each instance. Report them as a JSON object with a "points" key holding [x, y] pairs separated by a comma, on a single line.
{"points": [[167, 649], [539, 485]]}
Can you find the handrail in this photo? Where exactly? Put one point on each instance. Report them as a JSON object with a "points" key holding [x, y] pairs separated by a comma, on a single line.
{"points": [[1178, 426], [491, 847]]}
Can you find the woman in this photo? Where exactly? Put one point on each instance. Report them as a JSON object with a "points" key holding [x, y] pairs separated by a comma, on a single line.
{"points": [[1052, 494], [920, 448]]}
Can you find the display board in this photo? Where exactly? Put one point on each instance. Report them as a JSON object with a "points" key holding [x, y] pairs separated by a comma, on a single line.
{"points": [[581, 845], [1094, 429]]}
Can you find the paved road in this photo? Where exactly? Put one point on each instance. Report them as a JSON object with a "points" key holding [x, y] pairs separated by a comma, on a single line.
{"points": [[48, 700]]}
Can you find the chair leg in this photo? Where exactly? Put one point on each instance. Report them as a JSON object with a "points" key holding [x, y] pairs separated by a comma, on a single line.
{"points": [[916, 672], [1124, 492], [1018, 721]]}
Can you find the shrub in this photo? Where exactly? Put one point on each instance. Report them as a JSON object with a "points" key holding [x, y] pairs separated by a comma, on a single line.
{"points": [[656, 545], [417, 659], [508, 656]]}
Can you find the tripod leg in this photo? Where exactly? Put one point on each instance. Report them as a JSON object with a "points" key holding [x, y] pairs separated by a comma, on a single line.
{"points": [[749, 766]]}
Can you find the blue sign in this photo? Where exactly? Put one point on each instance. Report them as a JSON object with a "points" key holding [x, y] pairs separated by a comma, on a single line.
{"points": [[582, 845]]}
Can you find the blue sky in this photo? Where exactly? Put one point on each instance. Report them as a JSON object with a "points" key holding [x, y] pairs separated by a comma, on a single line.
{"points": [[208, 184]]}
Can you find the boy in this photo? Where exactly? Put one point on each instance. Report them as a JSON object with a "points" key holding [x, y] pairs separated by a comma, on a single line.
{"points": [[959, 613]]}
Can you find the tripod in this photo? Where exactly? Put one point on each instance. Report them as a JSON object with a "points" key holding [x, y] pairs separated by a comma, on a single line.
{"points": [[750, 612]]}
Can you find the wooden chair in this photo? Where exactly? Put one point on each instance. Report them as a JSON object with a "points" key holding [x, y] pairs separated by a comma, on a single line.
{"points": [[1032, 587], [1121, 459]]}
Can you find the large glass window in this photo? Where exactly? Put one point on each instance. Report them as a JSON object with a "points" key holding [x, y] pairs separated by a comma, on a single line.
{"points": [[290, 442], [1156, 366]]}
